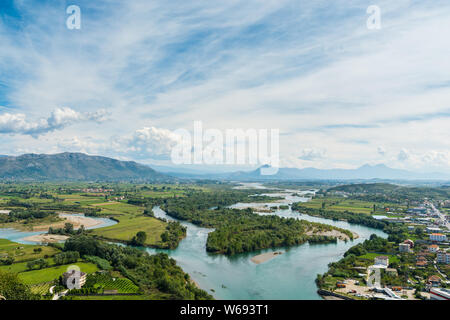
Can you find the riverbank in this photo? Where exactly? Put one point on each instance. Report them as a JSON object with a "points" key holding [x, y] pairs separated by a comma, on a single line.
{"points": [[46, 238], [261, 258], [75, 219], [333, 233]]}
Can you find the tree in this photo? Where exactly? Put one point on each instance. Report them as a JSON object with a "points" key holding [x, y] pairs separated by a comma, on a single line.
{"points": [[68, 228], [139, 239], [13, 289], [81, 230], [7, 261], [149, 212]]}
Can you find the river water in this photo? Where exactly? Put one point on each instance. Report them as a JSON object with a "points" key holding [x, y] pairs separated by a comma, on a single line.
{"points": [[290, 275], [18, 236]]}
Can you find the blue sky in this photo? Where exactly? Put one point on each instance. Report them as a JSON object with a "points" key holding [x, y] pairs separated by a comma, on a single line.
{"points": [[342, 95]]}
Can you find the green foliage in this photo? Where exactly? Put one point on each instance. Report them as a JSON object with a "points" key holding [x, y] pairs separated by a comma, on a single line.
{"points": [[102, 264], [13, 289], [149, 272], [37, 264], [139, 239], [66, 257], [350, 217], [175, 231]]}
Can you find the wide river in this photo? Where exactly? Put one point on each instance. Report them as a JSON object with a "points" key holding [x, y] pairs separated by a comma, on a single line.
{"points": [[290, 275]]}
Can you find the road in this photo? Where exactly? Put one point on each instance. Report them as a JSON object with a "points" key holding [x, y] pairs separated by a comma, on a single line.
{"points": [[442, 216]]}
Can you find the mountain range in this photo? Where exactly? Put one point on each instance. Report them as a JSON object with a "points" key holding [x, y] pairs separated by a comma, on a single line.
{"points": [[81, 167], [365, 172], [74, 166]]}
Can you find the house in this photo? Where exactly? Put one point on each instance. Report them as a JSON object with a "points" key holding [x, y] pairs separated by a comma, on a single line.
{"points": [[409, 242], [438, 237], [6, 212], [70, 279], [382, 260], [433, 248], [421, 262], [434, 281], [443, 257], [404, 247]]}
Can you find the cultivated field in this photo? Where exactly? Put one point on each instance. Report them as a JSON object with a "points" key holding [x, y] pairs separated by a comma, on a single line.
{"points": [[52, 273], [24, 252], [129, 225]]}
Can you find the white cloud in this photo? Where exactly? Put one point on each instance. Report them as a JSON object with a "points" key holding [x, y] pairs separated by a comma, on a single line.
{"points": [[58, 119], [147, 143], [403, 155]]}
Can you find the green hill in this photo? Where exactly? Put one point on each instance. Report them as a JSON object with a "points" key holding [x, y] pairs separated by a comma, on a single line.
{"points": [[74, 167]]}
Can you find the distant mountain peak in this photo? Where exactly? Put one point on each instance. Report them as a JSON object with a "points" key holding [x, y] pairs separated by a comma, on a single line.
{"points": [[74, 166]]}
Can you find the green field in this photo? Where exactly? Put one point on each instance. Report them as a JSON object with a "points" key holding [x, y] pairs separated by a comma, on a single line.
{"points": [[80, 199], [52, 273], [24, 252], [41, 288], [118, 208], [341, 204], [121, 285], [372, 256], [129, 225]]}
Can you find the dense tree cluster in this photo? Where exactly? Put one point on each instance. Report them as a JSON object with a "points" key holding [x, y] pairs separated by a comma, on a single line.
{"points": [[11, 288], [350, 217], [170, 238], [238, 231], [66, 257], [393, 192], [150, 272], [68, 230]]}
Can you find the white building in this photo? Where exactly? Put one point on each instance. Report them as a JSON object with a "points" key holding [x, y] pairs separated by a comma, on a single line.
{"points": [[438, 237], [433, 248], [382, 260], [404, 247], [439, 294], [433, 230], [443, 257]]}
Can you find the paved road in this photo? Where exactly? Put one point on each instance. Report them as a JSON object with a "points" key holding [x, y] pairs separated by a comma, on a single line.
{"points": [[442, 217]]}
